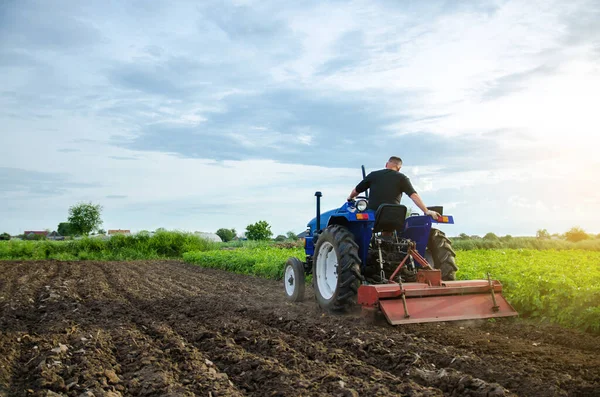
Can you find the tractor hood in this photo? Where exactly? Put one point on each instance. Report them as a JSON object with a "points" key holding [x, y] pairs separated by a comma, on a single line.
{"points": [[312, 225]]}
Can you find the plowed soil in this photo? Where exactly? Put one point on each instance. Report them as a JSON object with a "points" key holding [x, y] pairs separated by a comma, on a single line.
{"points": [[168, 328]]}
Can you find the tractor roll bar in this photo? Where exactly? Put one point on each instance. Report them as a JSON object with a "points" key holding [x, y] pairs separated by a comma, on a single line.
{"points": [[364, 176]]}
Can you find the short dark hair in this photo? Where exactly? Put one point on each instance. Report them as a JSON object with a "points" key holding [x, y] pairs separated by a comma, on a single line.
{"points": [[395, 159]]}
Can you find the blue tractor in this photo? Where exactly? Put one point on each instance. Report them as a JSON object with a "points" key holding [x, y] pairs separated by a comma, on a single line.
{"points": [[380, 259]]}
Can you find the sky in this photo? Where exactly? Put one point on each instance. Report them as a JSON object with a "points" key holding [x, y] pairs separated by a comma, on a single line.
{"points": [[195, 116]]}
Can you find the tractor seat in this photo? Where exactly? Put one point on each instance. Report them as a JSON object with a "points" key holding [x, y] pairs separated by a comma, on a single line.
{"points": [[389, 218]]}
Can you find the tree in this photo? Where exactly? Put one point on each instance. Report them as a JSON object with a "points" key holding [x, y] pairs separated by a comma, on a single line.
{"points": [[542, 234], [226, 234], [64, 229], [291, 235], [85, 217], [280, 237], [261, 230], [490, 236], [576, 234], [463, 236], [4, 236], [101, 231]]}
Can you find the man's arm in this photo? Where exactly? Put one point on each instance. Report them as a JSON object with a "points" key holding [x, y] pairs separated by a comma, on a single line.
{"points": [[417, 200], [361, 187]]}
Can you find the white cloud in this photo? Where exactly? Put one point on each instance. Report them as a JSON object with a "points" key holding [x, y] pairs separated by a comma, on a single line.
{"points": [[523, 76]]}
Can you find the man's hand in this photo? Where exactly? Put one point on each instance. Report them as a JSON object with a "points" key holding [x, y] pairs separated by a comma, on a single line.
{"points": [[432, 214], [353, 194]]}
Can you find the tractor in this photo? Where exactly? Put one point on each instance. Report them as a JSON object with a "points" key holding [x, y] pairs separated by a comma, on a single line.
{"points": [[387, 261]]}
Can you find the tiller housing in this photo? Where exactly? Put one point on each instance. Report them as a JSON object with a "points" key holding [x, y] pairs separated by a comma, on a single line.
{"points": [[430, 299]]}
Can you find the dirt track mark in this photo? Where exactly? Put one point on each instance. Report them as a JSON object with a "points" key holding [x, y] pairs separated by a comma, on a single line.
{"points": [[264, 357], [334, 361], [477, 362], [456, 366]]}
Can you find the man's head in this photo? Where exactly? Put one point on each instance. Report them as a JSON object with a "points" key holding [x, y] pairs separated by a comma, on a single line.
{"points": [[394, 163]]}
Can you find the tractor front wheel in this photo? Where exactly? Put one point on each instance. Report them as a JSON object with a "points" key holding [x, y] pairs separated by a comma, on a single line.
{"points": [[336, 269], [293, 280], [440, 254]]}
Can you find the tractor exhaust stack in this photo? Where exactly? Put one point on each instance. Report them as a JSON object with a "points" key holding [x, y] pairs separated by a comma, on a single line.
{"points": [[318, 195]]}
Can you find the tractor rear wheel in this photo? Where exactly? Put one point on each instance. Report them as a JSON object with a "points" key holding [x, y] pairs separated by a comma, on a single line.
{"points": [[440, 254], [336, 269]]}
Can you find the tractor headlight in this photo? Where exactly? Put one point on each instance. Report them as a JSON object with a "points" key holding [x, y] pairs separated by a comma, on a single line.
{"points": [[361, 205]]}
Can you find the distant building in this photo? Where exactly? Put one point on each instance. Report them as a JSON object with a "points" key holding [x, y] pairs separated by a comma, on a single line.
{"points": [[209, 236], [35, 232], [112, 232], [55, 236]]}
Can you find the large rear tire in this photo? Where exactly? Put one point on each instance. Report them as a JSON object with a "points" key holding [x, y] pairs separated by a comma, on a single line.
{"points": [[440, 254], [336, 269]]}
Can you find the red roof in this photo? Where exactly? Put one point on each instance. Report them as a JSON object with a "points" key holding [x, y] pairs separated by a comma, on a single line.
{"points": [[117, 231], [43, 233]]}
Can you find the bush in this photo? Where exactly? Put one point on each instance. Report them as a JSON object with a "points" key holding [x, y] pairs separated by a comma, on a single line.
{"points": [[291, 235], [490, 237], [118, 247], [226, 234], [542, 234], [261, 230], [576, 234]]}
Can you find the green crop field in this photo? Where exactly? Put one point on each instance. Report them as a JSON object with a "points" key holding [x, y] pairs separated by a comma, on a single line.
{"points": [[557, 286], [262, 260], [142, 246]]}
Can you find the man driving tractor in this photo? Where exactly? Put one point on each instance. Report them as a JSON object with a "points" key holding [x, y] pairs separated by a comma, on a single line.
{"points": [[387, 186]]}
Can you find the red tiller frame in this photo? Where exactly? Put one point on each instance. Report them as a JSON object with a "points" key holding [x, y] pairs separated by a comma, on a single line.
{"points": [[430, 299]]}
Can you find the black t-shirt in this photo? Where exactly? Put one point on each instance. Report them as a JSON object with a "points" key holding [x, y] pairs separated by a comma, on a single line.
{"points": [[386, 187]]}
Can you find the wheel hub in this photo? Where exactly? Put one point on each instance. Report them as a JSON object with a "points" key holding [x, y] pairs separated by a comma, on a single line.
{"points": [[290, 285], [327, 276]]}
